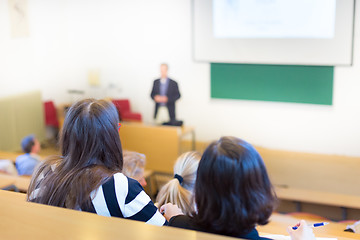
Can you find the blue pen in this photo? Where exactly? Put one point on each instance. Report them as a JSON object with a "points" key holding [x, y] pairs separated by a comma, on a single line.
{"points": [[313, 225]]}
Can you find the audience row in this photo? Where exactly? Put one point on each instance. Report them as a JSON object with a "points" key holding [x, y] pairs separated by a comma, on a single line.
{"points": [[226, 190]]}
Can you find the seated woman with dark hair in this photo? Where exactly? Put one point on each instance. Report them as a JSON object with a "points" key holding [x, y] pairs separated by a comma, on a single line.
{"points": [[88, 174], [233, 192]]}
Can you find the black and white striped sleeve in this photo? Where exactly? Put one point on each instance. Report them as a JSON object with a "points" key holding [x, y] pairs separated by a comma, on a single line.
{"points": [[138, 205], [124, 197]]}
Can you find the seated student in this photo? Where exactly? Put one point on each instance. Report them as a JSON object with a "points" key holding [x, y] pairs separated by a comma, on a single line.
{"points": [[87, 176], [26, 163], [7, 167], [134, 164], [179, 191], [233, 192]]}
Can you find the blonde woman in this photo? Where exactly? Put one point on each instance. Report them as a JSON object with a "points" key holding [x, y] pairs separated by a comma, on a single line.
{"points": [[179, 191], [134, 164]]}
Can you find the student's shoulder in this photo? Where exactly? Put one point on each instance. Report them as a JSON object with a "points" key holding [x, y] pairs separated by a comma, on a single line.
{"points": [[130, 187], [120, 178], [22, 158], [35, 157]]}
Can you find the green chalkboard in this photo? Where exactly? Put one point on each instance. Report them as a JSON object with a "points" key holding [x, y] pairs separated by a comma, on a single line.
{"points": [[280, 83]]}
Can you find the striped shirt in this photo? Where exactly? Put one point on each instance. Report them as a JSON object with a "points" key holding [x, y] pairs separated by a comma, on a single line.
{"points": [[121, 197], [124, 197]]}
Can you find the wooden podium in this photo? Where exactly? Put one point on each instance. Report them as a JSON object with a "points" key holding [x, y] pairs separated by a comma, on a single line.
{"points": [[160, 144]]}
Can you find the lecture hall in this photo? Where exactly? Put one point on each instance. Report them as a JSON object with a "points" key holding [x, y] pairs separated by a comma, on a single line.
{"points": [[181, 119]]}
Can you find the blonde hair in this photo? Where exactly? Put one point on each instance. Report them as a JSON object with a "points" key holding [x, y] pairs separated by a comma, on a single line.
{"points": [[181, 194], [134, 164], [165, 64]]}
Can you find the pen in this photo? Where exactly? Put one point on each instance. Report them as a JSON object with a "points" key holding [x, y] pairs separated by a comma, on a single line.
{"points": [[313, 225]]}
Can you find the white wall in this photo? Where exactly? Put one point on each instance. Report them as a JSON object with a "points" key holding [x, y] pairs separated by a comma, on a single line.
{"points": [[127, 40]]}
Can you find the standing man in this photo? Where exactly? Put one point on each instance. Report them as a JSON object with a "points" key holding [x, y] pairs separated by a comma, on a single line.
{"points": [[165, 92]]}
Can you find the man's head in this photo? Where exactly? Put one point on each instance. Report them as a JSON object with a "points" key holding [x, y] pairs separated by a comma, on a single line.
{"points": [[164, 70], [30, 144]]}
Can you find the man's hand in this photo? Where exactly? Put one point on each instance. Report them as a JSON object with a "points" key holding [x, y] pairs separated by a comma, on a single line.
{"points": [[165, 99], [160, 99]]}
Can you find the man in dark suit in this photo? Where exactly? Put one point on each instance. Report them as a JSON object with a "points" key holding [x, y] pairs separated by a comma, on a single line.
{"points": [[165, 92]]}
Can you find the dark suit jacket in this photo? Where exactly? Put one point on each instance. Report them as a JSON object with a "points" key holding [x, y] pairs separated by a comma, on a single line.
{"points": [[172, 94]]}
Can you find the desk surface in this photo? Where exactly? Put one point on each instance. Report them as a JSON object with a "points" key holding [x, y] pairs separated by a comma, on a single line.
{"points": [[293, 194], [9, 155], [182, 129], [13, 155], [318, 197], [279, 222], [21, 182], [39, 222]]}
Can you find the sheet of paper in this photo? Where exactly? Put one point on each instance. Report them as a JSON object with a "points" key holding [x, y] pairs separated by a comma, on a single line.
{"points": [[283, 237]]}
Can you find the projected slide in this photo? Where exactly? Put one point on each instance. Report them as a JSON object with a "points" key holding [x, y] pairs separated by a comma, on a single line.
{"points": [[305, 19], [289, 32]]}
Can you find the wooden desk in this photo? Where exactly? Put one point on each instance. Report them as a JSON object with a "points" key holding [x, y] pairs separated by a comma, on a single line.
{"points": [[319, 197], [299, 196], [39, 222], [9, 155], [21, 182], [319, 172], [279, 222], [24, 220], [315, 178], [15, 196], [13, 155], [160, 144]]}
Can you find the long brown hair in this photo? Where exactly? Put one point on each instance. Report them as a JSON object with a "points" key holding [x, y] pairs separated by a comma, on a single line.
{"points": [[90, 153]]}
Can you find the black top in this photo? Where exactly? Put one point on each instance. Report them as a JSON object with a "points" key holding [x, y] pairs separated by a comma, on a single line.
{"points": [[182, 221]]}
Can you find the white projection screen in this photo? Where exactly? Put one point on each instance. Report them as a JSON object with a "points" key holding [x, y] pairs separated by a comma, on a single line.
{"points": [[290, 32]]}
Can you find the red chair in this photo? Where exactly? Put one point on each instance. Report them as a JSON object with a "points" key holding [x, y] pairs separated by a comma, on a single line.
{"points": [[50, 114], [125, 114]]}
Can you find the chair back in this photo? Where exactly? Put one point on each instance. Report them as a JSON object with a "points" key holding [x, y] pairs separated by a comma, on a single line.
{"points": [[50, 114], [122, 105]]}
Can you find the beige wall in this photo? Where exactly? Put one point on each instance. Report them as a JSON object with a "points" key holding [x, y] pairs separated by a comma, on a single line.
{"points": [[20, 116]]}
